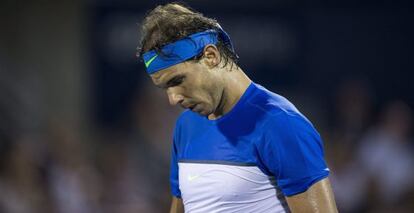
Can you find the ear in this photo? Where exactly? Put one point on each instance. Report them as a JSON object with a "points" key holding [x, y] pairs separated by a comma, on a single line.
{"points": [[211, 56]]}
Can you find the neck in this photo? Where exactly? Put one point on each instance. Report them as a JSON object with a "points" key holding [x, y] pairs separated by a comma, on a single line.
{"points": [[236, 83]]}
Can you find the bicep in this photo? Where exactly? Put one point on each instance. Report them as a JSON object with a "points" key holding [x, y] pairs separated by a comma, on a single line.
{"points": [[318, 198], [177, 205]]}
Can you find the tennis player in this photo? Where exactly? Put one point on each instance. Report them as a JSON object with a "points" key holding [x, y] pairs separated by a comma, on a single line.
{"points": [[238, 147]]}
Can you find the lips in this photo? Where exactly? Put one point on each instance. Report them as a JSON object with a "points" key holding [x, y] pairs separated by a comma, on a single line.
{"points": [[192, 107], [188, 106]]}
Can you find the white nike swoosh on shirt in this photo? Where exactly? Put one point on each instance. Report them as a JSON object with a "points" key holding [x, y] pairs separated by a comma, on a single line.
{"points": [[192, 177]]}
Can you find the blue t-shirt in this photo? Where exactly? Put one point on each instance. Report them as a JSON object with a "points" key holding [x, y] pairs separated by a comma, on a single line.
{"points": [[264, 131]]}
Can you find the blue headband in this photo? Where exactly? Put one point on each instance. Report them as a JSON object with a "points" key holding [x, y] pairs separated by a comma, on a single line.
{"points": [[182, 50]]}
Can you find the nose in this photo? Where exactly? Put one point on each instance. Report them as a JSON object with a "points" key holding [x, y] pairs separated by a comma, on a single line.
{"points": [[174, 98]]}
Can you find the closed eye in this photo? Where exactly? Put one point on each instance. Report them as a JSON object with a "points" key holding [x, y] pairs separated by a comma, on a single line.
{"points": [[175, 81]]}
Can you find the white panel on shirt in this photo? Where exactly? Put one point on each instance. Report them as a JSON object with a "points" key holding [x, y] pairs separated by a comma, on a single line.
{"points": [[214, 188]]}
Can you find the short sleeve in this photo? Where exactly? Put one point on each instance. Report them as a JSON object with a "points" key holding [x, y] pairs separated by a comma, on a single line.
{"points": [[292, 150], [174, 182]]}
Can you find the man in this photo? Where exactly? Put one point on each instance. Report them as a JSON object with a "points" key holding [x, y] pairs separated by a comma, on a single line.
{"points": [[238, 147]]}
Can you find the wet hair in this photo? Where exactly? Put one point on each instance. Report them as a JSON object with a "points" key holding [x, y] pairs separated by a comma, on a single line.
{"points": [[171, 22]]}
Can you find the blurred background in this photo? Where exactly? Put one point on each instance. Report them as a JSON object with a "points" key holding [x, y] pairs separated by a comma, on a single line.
{"points": [[83, 130]]}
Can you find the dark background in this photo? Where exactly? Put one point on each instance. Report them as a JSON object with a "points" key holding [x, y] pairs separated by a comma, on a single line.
{"points": [[83, 130]]}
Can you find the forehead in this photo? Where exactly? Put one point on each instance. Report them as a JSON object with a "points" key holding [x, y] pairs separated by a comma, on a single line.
{"points": [[162, 76]]}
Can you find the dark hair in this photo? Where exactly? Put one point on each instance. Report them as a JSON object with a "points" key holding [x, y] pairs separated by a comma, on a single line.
{"points": [[171, 22]]}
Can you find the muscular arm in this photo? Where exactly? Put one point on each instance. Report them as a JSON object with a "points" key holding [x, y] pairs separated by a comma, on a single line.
{"points": [[177, 205], [318, 198]]}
